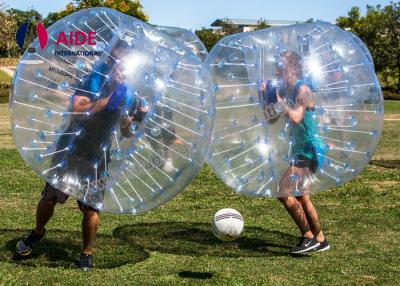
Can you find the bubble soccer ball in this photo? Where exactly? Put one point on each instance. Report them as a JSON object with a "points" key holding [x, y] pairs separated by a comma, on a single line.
{"points": [[299, 110], [187, 38], [112, 111], [363, 48], [227, 224]]}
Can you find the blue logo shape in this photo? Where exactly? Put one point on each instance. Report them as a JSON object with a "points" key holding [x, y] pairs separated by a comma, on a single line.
{"points": [[21, 34]]}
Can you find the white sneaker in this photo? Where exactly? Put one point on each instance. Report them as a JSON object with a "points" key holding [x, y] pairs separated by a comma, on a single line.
{"points": [[168, 166]]}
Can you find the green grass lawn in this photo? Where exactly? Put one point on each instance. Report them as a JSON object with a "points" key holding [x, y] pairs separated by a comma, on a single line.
{"points": [[174, 244], [4, 77]]}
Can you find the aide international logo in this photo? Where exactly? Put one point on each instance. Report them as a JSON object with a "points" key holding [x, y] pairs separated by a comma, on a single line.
{"points": [[77, 38]]}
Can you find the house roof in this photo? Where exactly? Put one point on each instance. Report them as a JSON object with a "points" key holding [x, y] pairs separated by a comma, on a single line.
{"points": [[252, 22]]}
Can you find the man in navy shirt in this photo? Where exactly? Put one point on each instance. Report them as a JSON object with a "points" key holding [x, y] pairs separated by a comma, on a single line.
{"points": [[99, 106]]}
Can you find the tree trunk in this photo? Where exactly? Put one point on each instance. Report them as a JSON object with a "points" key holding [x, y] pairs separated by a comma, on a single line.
{"points": [[398, 73], [8, 49]]}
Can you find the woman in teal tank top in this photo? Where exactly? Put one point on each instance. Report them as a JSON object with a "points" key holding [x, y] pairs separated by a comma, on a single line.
{"points": [[295, 183], [303, 133]]}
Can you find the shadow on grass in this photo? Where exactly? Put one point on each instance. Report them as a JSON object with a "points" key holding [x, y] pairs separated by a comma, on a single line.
{"points": [[390, 164], [187, 238], [195, 275], [61, 248]]}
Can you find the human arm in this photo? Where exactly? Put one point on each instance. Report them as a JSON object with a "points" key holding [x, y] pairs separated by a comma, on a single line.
{"points": [[268, 102], [127, 120], [83, 104], [304, 99]]}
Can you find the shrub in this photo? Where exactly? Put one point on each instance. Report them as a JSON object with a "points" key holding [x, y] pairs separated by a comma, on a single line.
{"points": [[4, 91]]}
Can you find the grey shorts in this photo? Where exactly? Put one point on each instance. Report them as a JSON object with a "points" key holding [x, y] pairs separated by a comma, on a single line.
{"points": [[52, 194]]}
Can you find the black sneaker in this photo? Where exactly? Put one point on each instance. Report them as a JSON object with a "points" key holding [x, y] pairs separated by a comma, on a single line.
{"points": [[323, 246], [24, 246], [305, 244], [86, 262]]}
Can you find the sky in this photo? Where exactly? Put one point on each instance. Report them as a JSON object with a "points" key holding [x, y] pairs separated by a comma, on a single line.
{"points": [[195, 14]]}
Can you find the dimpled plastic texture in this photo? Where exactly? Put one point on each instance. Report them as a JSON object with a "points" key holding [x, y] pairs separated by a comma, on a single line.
{"points": [[122, 125], [255, 145]]}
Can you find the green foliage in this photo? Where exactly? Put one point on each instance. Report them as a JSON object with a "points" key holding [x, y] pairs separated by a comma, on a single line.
{"points": [[5, 62], [261, 24], [209, 37], [4, 91], [8, 46], [21, 17], [380, 30], [5, 84], [129, 7], [55, 16]]}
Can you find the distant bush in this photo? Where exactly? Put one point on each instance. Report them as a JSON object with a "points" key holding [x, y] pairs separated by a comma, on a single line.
{"points": [[4, 91], [5, 62], [390, 92]]}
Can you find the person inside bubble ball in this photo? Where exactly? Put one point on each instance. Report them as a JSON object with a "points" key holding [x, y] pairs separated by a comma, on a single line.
{"points": [[99, 105], [296, 100]]}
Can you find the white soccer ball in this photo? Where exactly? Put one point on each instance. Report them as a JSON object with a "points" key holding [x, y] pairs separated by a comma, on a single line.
{"points": [[227, 224]]}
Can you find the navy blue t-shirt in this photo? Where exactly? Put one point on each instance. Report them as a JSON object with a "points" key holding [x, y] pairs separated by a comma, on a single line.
{"points": [[96, 130]]}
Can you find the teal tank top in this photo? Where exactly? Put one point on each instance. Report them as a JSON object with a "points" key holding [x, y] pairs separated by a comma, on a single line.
{"points": [[305, 142]]}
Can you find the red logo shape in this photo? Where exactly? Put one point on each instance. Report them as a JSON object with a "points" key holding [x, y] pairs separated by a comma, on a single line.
{"points": [[42, 35]]}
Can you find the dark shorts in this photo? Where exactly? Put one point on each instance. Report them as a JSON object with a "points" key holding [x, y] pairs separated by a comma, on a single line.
{"points": [[52, 194], [301, 161]]}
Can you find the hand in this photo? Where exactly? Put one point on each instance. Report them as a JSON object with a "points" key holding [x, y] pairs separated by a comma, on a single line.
{"points": [[143, 108], [281, 105], [270, 112], [279, 98], [124, 126], [263, 86], [125, 121]]}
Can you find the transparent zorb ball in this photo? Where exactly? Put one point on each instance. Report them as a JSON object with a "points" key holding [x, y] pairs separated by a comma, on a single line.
{"points": [[109, 113], [187, 38], [258, 149]]}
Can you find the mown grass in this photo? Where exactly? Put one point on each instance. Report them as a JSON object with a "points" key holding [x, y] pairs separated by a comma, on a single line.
{"points": [[174, 244], [5, 82], [4, 77]]}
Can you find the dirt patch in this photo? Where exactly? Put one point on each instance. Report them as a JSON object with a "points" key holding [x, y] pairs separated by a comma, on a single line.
{"points": [[383, 185], [392, 117]]}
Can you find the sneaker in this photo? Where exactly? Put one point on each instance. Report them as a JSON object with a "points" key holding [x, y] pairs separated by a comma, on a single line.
{"points": [[24, 246], [305, 244], [168, 165], [323, 246], [86, 262]]}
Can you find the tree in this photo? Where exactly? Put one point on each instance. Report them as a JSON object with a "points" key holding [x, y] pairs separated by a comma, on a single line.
{"points": [[261, 24], [8, 27], [380, 30], [21, 17], [129, 7], [392, 33], [209, 37], [55, 16]]}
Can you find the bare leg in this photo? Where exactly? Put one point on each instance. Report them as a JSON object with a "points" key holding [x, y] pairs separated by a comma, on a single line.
{"points": [[296, 211], [312, 217], [44, 212], [90, 223], [292, 205]]}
